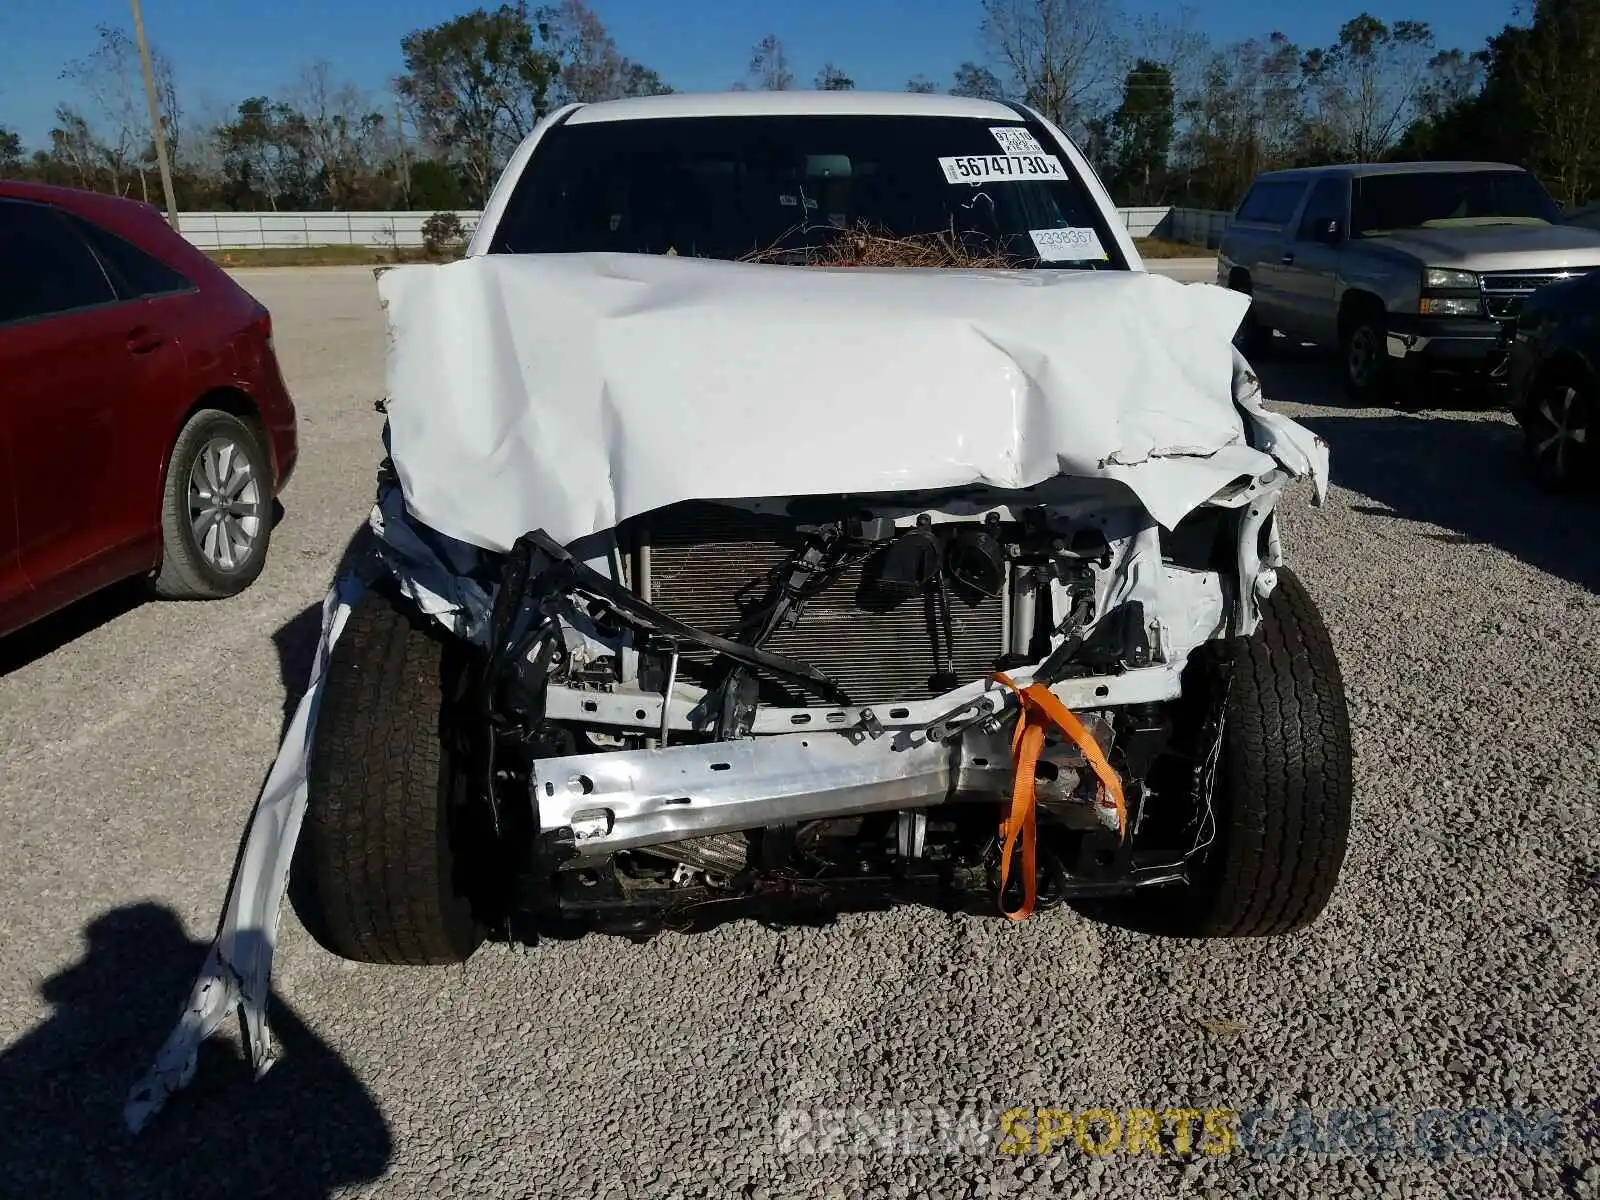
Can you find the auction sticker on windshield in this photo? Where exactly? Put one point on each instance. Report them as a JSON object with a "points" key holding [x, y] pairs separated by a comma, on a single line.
{"points": [[1066, 245], [1014, 139], [1001, 168]]}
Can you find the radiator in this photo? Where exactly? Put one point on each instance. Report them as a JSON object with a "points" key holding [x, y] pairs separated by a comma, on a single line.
{"points": [[709, 564]]}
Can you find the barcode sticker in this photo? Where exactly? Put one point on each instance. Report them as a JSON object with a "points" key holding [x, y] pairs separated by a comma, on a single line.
{"points": [[1067, 245]]}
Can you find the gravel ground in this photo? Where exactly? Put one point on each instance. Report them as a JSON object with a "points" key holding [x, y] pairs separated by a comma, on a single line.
{"points": [[1455, 969]]}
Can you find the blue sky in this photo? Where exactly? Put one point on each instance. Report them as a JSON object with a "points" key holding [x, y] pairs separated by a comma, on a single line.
{"points": [[224, 50]]}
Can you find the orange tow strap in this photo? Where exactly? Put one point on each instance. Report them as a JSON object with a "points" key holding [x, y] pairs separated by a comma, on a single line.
{"points": [[1039, 709]]}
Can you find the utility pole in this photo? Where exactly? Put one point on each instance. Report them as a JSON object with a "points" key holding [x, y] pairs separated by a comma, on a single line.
{"points": [[405, 161], [155, 116]]}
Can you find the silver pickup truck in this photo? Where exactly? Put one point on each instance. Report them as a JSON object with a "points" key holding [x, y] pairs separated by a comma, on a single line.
{"points": [[1399, 265]]}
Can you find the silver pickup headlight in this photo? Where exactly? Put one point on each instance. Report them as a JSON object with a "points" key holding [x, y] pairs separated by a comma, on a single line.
{"points": [[1447, 277], [1460, 296]]}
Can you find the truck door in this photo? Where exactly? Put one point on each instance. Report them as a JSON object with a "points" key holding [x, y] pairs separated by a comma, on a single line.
{"points": [[1261, 232], [1309, 275]]}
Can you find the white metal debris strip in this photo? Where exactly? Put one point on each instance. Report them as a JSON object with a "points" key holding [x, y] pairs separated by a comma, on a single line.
{"points": [[571, 392], [237, 971]]}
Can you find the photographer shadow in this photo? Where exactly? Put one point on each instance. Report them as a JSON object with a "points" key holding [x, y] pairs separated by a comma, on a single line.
{"points": [[307, 1128]]}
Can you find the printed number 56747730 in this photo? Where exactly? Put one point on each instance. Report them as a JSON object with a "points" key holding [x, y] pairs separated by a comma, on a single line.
{"points": [[990, 168]]}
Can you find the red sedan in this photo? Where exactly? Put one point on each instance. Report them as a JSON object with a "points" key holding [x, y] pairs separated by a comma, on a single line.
{"points": [[144, 425]]}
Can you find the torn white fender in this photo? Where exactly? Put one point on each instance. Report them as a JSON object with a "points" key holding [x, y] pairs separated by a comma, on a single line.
{"points": [[1292, 444], [237, 971]]}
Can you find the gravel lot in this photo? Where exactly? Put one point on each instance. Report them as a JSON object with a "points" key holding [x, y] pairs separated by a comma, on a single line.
{"points": [[1456, 968]]}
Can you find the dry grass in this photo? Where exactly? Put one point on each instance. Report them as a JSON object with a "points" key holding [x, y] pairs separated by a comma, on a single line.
{"points": [[866, 247], [1162, 248], [851, 248], [323, 256]]}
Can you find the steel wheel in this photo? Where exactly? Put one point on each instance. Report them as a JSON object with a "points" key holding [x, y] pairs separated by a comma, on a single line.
{"points": [[225, 509]]}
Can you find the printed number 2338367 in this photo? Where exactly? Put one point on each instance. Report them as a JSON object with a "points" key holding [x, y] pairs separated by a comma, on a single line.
{"points": [[987, 168]]}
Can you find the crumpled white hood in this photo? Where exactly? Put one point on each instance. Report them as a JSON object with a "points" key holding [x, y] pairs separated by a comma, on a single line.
{"points": [[568, 392]]}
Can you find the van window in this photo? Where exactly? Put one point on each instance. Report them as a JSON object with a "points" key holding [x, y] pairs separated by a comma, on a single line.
{"points": [[1272, 201]]}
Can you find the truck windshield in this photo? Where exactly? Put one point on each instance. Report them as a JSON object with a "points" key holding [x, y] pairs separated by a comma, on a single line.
{"points": [[1449, 199], [792, 189]]}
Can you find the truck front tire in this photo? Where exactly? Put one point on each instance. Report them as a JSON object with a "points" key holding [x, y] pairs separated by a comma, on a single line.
{"points": [[382, 825], [1281, 801], [1364, 350]]}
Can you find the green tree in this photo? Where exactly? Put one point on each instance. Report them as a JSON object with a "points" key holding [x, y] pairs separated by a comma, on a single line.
{"points": [[976, 82], [475, 85], [266, 157], [436, 186], [1140, 133], [921, 85], [1555, 69], [831, 79], [11, 159]]}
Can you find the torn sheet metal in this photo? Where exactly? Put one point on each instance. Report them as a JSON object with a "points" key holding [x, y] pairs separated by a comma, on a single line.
{"points": [[569, 392], [237, 971]]}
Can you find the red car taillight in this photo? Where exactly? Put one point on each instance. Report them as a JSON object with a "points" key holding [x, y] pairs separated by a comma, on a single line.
{"points": [[263, 325]]}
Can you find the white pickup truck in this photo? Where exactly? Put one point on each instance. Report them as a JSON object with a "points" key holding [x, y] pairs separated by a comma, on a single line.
{"points": [[705, 587]]}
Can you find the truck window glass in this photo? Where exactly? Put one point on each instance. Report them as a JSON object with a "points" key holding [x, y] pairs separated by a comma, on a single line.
{"points": [[730, 187], [1442, 199], [1327, 203], [1272, 201]]}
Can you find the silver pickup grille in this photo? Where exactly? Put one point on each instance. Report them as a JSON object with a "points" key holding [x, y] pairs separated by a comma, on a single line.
{"points": [[1504, 291], [709, 563]]}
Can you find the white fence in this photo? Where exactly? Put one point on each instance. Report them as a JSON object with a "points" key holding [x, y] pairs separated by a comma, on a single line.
{"points": [[1197, 226], [276, 230], [384, 230], [1142, 222]]}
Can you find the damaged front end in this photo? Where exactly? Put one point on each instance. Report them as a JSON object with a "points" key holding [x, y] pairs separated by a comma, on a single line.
{"points": [[754, 706], [977, 659]]}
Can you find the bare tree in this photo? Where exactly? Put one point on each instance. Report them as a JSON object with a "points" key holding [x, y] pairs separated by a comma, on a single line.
{"points": [[1364, 88], [201, 148], [769, 67], [72, 144], [115, 131], [590, 65], [346, 137], [1176, 43], [1062, 56]]}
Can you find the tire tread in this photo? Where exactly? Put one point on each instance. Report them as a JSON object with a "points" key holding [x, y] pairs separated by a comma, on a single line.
{"points": [[377, 817]]}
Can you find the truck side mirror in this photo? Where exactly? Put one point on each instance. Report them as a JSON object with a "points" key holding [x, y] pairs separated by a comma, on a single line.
{"points": [[1330, 231]]}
